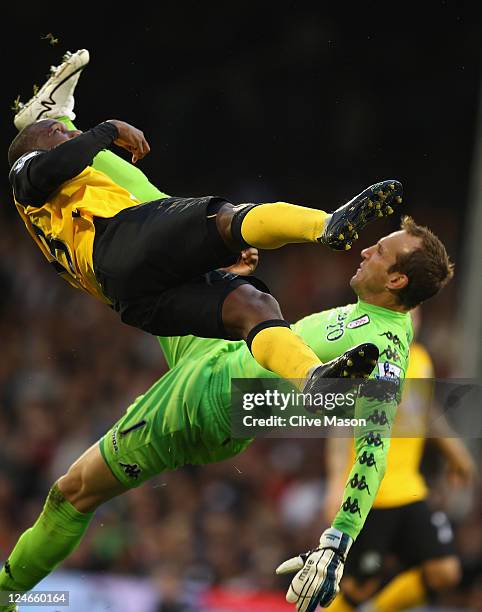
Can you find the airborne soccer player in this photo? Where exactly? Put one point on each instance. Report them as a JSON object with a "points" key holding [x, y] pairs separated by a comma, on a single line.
{"points": [[154, 262], [184, 418]]}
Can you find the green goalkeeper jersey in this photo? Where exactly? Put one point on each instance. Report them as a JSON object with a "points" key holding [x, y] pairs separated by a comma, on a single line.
{"points": [[329, 333]]}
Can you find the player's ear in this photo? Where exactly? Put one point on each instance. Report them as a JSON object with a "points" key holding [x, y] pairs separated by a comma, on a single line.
{"points": [[396, 281]]}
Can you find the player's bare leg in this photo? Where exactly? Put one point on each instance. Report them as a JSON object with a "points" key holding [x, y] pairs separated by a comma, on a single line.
{"points": [[89, 482]]}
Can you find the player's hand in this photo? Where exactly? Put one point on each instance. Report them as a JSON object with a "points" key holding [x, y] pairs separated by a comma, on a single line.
{"points": [[246, 264], [131, 139], [319, 571]]}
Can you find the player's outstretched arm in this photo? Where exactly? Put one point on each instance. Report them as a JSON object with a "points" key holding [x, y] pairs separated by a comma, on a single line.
{"points": [[122, 172], [319, 571]]}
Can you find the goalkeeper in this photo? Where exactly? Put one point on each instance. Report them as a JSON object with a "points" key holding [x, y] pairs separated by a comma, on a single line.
{"points": [[185, 417]]}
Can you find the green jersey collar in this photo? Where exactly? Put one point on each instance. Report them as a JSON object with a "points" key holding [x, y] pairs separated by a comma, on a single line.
{"points": [[385, 312]]}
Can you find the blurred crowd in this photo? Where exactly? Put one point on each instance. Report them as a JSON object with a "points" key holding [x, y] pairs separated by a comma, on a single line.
{"points": [[69, 369], [265, 104]]}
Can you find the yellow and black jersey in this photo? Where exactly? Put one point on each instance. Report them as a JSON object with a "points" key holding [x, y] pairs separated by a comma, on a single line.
{"points": [[58, 195], [403, 482]]}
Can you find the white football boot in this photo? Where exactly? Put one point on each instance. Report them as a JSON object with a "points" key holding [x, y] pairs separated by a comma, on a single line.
{"points": [[56, 97]]}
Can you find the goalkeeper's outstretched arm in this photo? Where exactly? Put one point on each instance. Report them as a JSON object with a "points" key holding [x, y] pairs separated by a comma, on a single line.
{"points": [[319, 571]]}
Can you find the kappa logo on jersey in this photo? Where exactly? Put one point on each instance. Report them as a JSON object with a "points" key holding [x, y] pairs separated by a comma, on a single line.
{"points": [[368, 459], [358, 322], [376, 440], [390, 353], [392, 337], [351, 506], [378, 418], [388, 370], [359, 483]]}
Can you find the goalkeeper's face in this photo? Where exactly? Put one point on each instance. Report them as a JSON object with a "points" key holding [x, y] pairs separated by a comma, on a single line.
{"points": [[372, 276]]}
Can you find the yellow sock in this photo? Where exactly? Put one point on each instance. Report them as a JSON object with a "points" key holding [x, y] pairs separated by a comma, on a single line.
{"points": [[270, 226], [405, 591], [283, 352], [340, 604]]}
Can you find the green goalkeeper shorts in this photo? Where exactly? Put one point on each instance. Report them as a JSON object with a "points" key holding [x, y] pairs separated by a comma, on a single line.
{"points": [[184, 418]]}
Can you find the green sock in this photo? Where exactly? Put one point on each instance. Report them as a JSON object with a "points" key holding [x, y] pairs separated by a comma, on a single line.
{"points": [[122, 172], [56, 533]]}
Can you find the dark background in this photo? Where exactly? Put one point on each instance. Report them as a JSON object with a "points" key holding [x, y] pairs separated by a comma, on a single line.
{"points": [[255, 101], [276, 99]]}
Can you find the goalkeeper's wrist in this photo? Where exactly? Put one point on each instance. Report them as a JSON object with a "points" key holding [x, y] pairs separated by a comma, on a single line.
{"points": [[336, 540]]}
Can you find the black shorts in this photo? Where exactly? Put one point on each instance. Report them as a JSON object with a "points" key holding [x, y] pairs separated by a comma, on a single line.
{"points": [[157, 263], [413, 533]]}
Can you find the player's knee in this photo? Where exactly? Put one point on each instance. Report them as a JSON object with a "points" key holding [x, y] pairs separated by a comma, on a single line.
{"points": [[229, 219], [246, 307], [76, 489], [71, 484], [224, 219], [444, 573], [262, 308]]}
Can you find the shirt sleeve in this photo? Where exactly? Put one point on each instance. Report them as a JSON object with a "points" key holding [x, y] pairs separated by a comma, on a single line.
{"points": [[376, 407], [37, 174], [329, 336]]}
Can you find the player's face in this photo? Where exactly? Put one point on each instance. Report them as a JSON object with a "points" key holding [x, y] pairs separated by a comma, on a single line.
{"points": [[372, 276], [53, 133]]}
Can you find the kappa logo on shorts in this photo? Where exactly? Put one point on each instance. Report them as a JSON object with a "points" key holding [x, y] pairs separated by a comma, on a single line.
{"points": [[131, 470]]}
